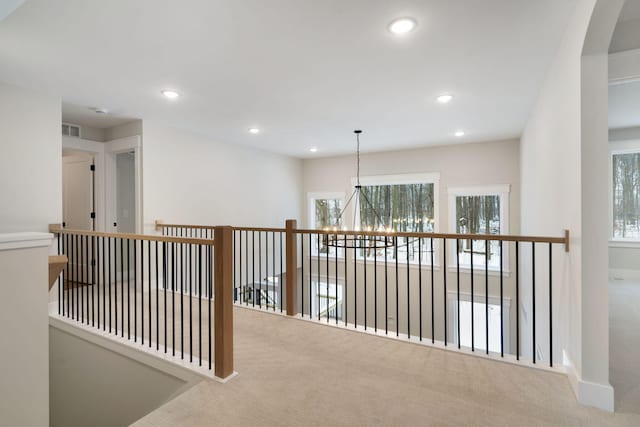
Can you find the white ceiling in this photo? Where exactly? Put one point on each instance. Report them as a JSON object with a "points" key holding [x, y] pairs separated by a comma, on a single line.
{"points": [[624, 105], [87, 116], [630, 11], [307, 72]]}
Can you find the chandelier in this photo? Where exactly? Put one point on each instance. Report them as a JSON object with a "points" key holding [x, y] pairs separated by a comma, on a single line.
{"points": [[374, 239]]}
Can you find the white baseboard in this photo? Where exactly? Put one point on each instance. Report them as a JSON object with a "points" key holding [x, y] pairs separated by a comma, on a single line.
{"points": [[588, 393], [623, 274]]}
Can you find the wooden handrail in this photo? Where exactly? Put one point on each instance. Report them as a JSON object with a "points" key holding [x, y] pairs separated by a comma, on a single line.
{"points": [[57, 229], [160, 225], [267, 229]]}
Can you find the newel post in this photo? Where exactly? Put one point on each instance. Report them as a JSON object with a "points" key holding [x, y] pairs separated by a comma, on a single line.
{"points": [[292, 267], [223, 301]]}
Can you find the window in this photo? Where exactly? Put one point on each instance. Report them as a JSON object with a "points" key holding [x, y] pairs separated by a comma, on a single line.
{"points": [[625, 209], [402, 203], [324, 212], [479, 210]]}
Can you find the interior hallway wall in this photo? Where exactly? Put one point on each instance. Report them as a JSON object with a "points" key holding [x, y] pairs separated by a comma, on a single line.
{"points": [[193, 179], [30, 160]]}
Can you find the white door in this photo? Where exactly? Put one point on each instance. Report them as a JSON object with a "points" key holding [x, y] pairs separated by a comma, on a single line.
{"points": [[77, 192]]}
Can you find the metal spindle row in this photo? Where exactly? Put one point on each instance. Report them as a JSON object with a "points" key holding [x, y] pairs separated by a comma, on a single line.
{"points": [[337, 282], [258, 266], [115, 284]]}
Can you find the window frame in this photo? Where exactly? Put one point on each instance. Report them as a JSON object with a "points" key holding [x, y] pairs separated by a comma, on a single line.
{"points": [[503, 192], [630, 146], [320, 195], [404, 179]]}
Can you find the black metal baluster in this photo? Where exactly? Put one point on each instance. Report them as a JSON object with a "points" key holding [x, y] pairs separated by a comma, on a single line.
{"points": [[94, 261], [149, 285], [164, 290], [486, 292], [104, 286], [235, 276], [109, 279], [173, 299], [253, 266], [182, 263], [128, 289], [273, 265], [280, 277], [346, 283], [190, 305], [444, 285], [240, 266], [336, 266], [135, 291], [318, 274], [246, 264], [301, 273], [375, 285], [433, 326], [157, 299], [210, 286], [60, 282], [408, 292], [67, 278], [458, 287], [364, 274], [141, 291], [420, 283], [550, 306], [121, 288], [83, 269], [386, 287], [200, 305], [327, 278], [397, 303], [501, 308], [533, 300], [355, 282], [517, 301], [473, 345], [259, 269]]}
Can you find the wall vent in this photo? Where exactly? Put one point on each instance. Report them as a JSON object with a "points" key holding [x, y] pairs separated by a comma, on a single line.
{"points": [[70, 130]]}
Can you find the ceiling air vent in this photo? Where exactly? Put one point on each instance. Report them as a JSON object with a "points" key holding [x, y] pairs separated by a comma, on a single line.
{"points": [[71, 130]]}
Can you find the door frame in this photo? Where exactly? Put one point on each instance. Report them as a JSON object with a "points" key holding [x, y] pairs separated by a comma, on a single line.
{"points": [[112, 148]]}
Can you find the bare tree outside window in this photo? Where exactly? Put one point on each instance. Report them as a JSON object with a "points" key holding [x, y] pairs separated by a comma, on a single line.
{"points": [[626, 196], [478, 215], [404, 207]]}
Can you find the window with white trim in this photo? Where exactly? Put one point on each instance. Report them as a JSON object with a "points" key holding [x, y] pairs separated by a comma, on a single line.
{"points": [[625, 193], [479, 210], [407, 203]]}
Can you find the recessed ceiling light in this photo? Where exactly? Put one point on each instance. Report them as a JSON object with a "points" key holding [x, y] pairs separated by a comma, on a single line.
{"points": [[171, 94], [444, 98], [459, 133], [402, 26], [254, 131], [313, 149]]}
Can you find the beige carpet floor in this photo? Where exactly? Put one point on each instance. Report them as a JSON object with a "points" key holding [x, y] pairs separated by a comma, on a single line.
{"points": [[294, 373]]}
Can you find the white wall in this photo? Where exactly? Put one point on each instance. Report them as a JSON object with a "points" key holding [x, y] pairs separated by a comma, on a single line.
{"points": [[24, 364], [131, 128], [463, 165], [30, 160], [563, 161], [193, 179], [92, 384]]}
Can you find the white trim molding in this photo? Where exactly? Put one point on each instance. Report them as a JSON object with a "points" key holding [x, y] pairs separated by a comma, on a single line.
{"points": [[624, 67], [11, 241], [589, 393]]}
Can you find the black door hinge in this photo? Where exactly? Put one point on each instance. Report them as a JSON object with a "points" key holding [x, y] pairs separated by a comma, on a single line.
{"points": [[92, 168], [93, 215]]}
